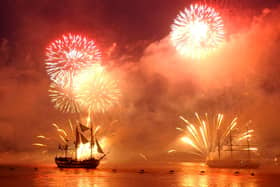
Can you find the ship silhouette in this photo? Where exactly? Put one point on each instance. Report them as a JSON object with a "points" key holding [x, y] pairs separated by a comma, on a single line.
{"points": [[232, 162], [75, 162]]}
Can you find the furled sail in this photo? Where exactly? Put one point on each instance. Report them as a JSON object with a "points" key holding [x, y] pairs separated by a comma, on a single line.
{"points": [[83, 128], [99, 149], [79, 135], [83, 139]]}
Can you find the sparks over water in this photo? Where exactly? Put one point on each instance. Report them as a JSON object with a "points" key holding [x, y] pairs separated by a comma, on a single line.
{"points": [[66, 139], [197, 31], [205, 138], [69, 54]]}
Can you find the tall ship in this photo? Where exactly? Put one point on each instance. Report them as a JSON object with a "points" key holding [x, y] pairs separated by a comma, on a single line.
{"points": [[87, 153], [244, 160]]}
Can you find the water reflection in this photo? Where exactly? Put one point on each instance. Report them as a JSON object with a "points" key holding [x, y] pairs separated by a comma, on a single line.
{"points": [[86, 182], [70, 177], [218, 178], [186, 175]]}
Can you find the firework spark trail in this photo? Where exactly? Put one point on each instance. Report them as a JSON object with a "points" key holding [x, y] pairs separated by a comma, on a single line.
{"points": [[64, 100], [217, 125], [193, 132], [220, 119], [228, 130], [68, 55], [202, 130], [245, 137], [63, 138], [190, 142], [247, 133], [96, 90], [179, 129], [62, 134], [251, 149], [39, 144], [89, 118], [205, 138], [71, 127], [171, 151], [42, 137], [197, 31], [60, 130], [55, 125], [143, 156], [96, 130]]}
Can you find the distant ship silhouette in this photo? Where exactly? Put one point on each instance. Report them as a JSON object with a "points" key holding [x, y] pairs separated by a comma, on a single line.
{"points": [[231, 162]]}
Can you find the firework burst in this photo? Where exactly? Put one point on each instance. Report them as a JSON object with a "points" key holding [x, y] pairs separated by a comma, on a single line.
{"points": [[197, 31], [96, 90], [63, 99], [66, 56]]}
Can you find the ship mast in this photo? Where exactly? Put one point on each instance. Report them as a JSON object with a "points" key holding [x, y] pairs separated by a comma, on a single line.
{"points": [[66, 148], [219, 145], [77, 141], [230, 143], [248, 144], [91, 136]]}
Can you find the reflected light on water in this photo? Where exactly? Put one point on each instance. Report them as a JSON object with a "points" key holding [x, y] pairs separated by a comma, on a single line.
{"points": [[71, 177], [155, 175], [217, 180], [86, 182]]}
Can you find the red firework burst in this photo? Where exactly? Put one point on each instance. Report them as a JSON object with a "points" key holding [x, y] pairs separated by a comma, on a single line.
{"points": [[69, 54], [197, 31]]}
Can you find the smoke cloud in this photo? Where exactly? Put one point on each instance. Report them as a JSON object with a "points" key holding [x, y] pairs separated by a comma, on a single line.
{"points": [[240, 79]]}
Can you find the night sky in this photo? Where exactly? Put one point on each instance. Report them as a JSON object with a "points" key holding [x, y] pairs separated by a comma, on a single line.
{"points": [[131, 24], [125, 20]]}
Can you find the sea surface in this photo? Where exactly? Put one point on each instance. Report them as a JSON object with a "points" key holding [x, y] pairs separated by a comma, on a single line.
{"points": [[139, 175]]}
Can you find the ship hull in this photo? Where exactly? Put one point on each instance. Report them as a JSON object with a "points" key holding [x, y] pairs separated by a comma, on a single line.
{"points": [[249, 164], [63, 162]]}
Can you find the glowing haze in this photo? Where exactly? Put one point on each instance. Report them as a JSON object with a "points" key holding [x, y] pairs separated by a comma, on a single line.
{"points": [[242, 80], [197, 31]]}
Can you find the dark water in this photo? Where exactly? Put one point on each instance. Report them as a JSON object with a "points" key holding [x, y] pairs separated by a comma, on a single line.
{"points": [[155, 175]]}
